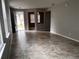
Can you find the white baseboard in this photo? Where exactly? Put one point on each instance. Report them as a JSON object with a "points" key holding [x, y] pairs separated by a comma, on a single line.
{"points": [[65, 36]]}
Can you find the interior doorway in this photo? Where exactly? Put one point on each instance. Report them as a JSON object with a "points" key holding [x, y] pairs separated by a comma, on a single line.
{"points": [[20, 20]]}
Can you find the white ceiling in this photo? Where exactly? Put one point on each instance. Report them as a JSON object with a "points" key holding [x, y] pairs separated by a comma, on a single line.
{"points": [[24, 4]]}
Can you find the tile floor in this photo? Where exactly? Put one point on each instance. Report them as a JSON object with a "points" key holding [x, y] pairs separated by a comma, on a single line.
{"points": [[40, 45]]}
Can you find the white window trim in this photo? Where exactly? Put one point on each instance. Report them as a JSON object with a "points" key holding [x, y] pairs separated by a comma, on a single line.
{"points": [[5, 19]]}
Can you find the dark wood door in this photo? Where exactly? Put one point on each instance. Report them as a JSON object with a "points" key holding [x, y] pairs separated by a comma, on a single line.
{"points": [[31, 20]]}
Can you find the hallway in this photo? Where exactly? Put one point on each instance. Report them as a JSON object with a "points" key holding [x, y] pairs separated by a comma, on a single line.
{"points": [[43, 45]]}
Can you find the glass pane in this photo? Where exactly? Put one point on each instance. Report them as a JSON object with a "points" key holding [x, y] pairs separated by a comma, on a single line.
{"points": [[32, 17], [38, 17]]}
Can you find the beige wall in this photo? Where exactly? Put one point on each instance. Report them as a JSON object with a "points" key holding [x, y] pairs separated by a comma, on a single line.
{"points": [[65, 20], [25, 4]]}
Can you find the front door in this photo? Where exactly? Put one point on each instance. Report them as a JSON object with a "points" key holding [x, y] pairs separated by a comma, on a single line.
{"points": [[31, 20]]}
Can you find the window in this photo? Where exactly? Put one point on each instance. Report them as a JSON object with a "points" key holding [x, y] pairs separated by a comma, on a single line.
{"points": [[5, 18], [40, 17], [32, 18]]}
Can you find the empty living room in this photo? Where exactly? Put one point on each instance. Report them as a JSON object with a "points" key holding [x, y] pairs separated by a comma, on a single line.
{"points": [[39, 29]]}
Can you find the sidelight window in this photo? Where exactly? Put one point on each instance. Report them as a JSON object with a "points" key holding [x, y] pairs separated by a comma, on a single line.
{"points": [[40, 17]]}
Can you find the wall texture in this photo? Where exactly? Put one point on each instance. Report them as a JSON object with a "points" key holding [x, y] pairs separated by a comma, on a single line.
{"points": [[65, 19]]}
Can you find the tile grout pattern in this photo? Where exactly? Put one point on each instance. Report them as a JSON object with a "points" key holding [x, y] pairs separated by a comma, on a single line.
{"points": [[39, 45]]}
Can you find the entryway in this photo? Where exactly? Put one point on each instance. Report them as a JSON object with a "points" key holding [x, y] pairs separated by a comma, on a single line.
{"points": [[31, 19], [20, 21]]}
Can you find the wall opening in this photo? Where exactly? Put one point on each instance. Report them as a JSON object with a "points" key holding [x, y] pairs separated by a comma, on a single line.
{"points": [[20, 20]]}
